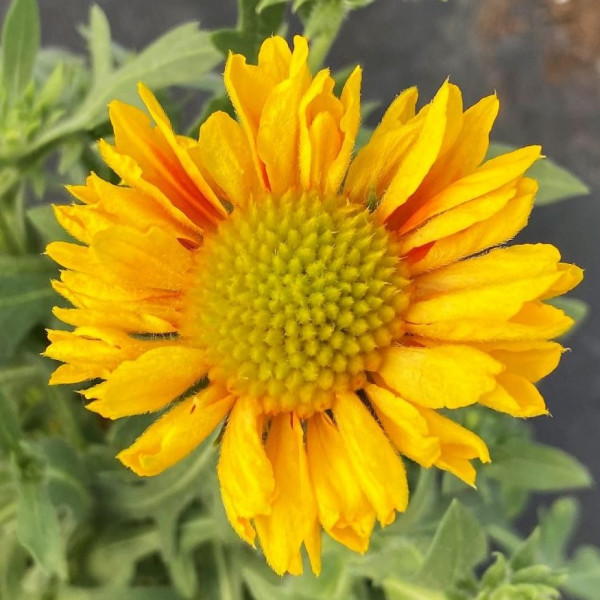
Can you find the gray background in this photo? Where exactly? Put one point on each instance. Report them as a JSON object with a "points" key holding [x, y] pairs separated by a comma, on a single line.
{"points": [[543, 59]]}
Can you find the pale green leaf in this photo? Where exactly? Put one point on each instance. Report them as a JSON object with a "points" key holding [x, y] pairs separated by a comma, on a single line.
{"points": [[99, 45], [181, 55], [10, 429], [458, 545], [557, 526], [20, 43], [396, 589], [25, 300], [38, 528], [537, 467], [583, 580], [45, 224]]}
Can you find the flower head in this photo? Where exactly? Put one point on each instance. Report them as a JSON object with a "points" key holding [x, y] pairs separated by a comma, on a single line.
{"points": [[332, 303]]}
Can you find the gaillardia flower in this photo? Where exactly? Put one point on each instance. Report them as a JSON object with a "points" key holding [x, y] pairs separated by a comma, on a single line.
{"points": [[333, 303]]}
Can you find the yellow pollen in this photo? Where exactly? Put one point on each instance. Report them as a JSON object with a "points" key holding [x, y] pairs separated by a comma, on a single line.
{"points": [[295, 298]]}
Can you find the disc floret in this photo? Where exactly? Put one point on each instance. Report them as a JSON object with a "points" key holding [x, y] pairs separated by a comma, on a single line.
{"points": [[295, 299]]}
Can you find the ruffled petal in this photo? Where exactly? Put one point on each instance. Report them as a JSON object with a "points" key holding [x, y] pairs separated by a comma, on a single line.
{"points": [[245, 473], [344, 510], [144, 385], [379, 470], [177, 433], [293, 513], [440, 376]]}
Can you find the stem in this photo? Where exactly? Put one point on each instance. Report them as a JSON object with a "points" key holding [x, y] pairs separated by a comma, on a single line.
{"points": [[322, 27]]}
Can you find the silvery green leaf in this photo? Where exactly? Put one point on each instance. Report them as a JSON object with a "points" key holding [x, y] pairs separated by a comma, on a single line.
{"points": [[458, 545], [557, 526], [45, 224], [20, 43], [537, 467], [583, 580], [38, 528], [99, 45], [10, 428], [397, 589], [25, 299]]}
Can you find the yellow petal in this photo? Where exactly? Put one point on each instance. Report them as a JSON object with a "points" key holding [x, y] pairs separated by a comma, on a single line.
{"points": [[459, 446], [349, 125], [225, 155], [368, 172], [245, 473], [531, 359], [491, 176], [148, 383], [293, 513], [458, 219], [498, 228], [420, 157], [404, 425], [344, 511], [516, 396], [466, 153], [81, 222], [380, 471], [146, 260], [535, 321], [500, 265], [440, 376], [133, 321], [177, 433], [277, 136], [179, 145], [499, 302]]}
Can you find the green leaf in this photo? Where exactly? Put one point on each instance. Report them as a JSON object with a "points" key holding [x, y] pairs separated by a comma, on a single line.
{"points": [[556, 183], [458, 545], [537, 467], [38, 528], [45, 224], [25, 299], [584, 574], [181, 55], [99, 45], [20, 44], [557, 526], [111, 592], [396, 589], [10, 429]]}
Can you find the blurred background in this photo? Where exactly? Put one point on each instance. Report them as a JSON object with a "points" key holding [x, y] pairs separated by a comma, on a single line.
{"points": [[542, 57]]}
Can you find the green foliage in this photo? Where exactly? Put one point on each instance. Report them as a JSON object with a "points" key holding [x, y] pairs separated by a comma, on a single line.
{"points": [[75, 524], [20, 43]]}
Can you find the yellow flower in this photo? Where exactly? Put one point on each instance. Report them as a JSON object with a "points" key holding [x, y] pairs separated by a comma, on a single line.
{"points": [[333, 303]]}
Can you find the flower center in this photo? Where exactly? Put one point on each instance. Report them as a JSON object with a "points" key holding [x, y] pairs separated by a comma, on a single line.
{"points": [[295, 298]]}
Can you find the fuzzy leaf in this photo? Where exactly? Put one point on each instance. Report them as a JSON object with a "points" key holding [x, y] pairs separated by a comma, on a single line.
{"points": [[25, 299], [20, 44], [537, 467], [458, 545], [584, 574], [38, 528], [99, 45], [557, 526]]}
